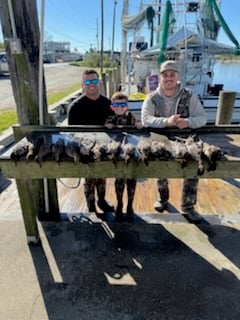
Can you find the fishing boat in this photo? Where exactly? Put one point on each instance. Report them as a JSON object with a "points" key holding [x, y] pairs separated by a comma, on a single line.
{"points": [[187, 32]]}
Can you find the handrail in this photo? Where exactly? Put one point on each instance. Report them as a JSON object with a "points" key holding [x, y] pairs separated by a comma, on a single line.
{"points": [[26, 129]]}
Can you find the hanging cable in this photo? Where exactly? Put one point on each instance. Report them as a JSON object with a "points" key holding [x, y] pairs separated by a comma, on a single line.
{"points": [[70, 187]]}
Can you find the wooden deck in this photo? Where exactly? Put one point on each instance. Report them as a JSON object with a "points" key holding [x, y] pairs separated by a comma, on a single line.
{"points": [[215, 196]]}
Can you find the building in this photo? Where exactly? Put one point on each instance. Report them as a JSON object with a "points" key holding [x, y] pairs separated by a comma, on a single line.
{"points": [[55, 51]]}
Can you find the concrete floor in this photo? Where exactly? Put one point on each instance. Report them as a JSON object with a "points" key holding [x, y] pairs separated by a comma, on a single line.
{"points": [[171, 270], [58, 77]]}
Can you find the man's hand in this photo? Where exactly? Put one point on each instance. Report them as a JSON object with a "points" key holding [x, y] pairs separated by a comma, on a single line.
{"points": [[182, 123], [172, 120], [176, 121], [138, 124], [109, 125]]}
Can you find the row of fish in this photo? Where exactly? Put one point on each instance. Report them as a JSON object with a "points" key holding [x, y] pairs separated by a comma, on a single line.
{"points": [[145, 149]]}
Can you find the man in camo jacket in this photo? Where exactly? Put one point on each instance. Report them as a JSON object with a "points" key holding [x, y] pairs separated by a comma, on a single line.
{"points": [[173, 106]]}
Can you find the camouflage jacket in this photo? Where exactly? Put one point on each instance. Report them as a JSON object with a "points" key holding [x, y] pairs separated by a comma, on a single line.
{"points": [[157, 108], [126, 119]]}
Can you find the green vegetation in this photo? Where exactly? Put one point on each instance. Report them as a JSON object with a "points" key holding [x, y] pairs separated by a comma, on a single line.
{"points": [[228, 58], [8, 118], [57, 96], [93, 60]]}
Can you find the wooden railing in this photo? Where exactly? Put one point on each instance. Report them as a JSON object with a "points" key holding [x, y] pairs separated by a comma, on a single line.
{"points": [[29, 175]]}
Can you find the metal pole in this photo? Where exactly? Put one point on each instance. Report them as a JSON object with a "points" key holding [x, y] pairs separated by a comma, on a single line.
{"points": [[40, 95], [113, 30], [158, 22], [124, 46], [13, 25], [40, 73], [102, 35]]}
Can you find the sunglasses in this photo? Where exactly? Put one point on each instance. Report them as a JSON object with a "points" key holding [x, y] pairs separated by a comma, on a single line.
{"points": [[119, 104], [88, 82]]}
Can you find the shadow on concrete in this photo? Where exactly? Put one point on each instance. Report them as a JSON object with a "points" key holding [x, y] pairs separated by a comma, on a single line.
{"points": [[135, 271], [233, 182], [4, 76], [226, 242], [4, 183]]}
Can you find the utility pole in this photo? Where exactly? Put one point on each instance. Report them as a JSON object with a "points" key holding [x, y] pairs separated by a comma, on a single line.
{"points": [[113, 30], [124, 45], [102, 33], [97, 38]]}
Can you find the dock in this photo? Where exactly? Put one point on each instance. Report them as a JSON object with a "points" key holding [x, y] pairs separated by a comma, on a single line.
{"points": [[216, 197], [91, 268], [218, 190], [107, 270]]}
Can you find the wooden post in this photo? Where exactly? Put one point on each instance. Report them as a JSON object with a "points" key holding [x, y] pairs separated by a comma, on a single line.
{"points": [[114, 80], [104, 85], [110, 83], [25, 190], [118, 79], [23, 61], [21, 37], [225, 107], [53, 117]]}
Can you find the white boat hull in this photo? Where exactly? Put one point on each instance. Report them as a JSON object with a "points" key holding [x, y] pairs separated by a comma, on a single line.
{"points": [[210, 105]]}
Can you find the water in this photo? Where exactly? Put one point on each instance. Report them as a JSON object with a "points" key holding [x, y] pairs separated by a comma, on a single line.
{"points": [[227, 74]]}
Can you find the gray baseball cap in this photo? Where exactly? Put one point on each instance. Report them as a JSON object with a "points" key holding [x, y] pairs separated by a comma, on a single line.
{"points": [[169, 65]]}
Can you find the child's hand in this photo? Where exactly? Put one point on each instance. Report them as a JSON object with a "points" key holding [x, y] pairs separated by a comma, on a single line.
{"points": [[109, 125], [138, 125]]}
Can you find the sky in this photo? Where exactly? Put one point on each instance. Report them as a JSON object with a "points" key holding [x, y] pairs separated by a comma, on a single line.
{"points": [[79, 22]]}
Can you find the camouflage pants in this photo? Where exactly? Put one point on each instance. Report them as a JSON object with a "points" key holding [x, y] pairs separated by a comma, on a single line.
{"points": [[89, 189], [189, 192], [119, 188]]}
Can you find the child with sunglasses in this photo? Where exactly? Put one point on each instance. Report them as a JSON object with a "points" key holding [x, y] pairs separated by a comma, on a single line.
{"points": [[121, 114], [123, 117]]}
